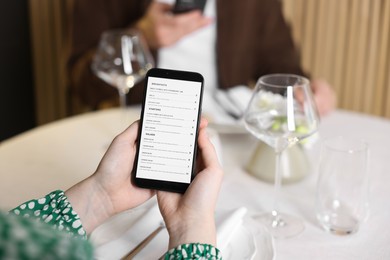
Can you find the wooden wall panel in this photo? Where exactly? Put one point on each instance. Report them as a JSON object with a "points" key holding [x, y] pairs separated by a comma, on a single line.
{"points": [[372, 60], [348, 43], [339, 51], [49, 35], [308, 32], [383, 92]]}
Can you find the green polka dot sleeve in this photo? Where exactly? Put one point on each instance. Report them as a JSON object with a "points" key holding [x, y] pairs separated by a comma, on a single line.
{"points": [[24, 234], [46, 228], [193, 251], [55, 210]]}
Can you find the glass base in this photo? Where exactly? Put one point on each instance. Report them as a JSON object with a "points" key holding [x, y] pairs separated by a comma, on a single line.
{"points": [[281, 225], [339, 224]]}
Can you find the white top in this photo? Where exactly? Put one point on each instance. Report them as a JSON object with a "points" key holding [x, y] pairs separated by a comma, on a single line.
{"points": [[195, 52]]}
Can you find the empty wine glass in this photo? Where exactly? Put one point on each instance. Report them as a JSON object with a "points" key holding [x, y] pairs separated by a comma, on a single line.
{"points": [[122, 60], [281, 112]]}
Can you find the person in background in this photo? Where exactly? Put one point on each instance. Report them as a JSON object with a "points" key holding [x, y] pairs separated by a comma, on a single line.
{"points": [[232, 43], [56, 226]]}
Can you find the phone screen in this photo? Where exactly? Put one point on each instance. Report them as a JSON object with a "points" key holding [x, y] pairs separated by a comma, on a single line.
{"points": [[168, 131]]}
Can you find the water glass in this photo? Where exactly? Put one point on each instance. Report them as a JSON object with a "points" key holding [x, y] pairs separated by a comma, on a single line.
{"points": [[342, 192]]}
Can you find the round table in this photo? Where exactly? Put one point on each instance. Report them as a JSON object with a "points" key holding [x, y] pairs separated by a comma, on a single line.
{"points": [[59, 154]]}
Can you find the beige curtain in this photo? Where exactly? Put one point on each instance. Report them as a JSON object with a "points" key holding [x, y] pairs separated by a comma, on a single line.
{"points": [[348, 43]]}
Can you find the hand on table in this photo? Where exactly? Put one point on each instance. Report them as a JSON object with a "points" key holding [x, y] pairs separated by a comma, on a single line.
{"points": [[189, 217], [161, 28], [324, 96]]}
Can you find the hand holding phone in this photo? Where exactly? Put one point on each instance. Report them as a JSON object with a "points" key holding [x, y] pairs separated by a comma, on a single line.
{"points": [[167, 143], [183, 6], [192, 216]]}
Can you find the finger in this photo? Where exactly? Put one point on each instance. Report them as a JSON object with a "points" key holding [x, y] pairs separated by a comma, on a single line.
{"points": [[207, 149], [131, 133], [203, 123]]}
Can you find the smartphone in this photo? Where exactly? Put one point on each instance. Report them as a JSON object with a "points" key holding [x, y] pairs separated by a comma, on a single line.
{"points": [[167, 139], [182, 6]]}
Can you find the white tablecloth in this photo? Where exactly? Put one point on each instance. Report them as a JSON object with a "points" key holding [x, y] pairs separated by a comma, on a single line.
{"points": [[57, 155]]}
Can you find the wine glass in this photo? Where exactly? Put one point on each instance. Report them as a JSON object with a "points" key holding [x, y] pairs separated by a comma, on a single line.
{"points": [[122, 59], [281, 112]]}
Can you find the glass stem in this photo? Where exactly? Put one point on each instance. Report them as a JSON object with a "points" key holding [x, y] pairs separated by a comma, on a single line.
{"points": [[122, 99], [123, 106], [277, 187]]}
